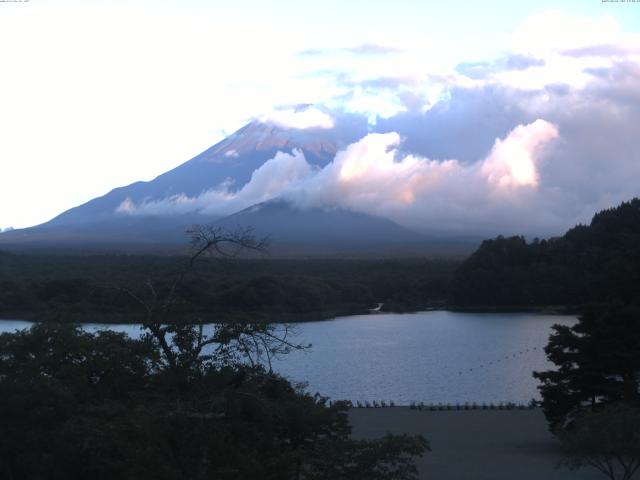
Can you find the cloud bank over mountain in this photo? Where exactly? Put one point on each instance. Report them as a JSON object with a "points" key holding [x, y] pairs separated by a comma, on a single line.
{"points": [[531, 137], [531, 142], [373, 176]]}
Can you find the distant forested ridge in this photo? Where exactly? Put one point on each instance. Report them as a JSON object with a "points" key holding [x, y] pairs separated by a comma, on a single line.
{"points": [[590, 263], [91, 288]]}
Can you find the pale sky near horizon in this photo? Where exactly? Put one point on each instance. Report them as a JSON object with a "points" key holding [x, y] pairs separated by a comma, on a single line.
{"points": [[96, 95]]}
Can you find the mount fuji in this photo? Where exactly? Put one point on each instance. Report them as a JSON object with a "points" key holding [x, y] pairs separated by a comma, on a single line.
{"points": [[132, 218]]}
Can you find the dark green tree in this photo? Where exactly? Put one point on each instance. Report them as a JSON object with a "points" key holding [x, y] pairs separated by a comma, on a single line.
{"points": [[597, 360], [607, 440]]}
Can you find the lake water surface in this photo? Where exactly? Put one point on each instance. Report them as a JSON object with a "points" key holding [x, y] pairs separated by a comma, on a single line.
{"points": [[426, 357]]}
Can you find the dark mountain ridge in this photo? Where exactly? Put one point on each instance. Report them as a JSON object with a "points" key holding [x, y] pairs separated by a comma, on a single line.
{"points": [[590, 263]]}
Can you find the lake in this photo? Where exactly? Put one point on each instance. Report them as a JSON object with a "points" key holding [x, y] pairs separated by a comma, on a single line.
{"points": [[429, 357]]}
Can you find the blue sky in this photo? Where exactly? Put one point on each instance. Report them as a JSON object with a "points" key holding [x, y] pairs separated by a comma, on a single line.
{"points": [[97, 95]]}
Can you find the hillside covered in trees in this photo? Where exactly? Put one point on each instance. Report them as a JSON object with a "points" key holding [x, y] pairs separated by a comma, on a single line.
{"points": [[590, 263], [93, 288]]}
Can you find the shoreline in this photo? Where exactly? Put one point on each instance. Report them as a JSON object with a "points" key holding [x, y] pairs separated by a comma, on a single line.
{"points": [[312, 316], [540, 309]]}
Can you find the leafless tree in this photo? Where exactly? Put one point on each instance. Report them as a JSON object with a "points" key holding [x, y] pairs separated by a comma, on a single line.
{"points": [[189, 346]]}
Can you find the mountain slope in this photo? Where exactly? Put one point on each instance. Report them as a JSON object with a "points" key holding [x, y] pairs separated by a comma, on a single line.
{"points": [[320, 228], [126, 233], [291, 231], [235, 158]]}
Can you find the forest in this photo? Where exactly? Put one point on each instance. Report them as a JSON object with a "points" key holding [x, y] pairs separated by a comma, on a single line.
{"points": [[590, 263], [93, 288]]}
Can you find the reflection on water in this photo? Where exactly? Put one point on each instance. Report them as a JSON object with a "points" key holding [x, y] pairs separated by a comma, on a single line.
{"points": [[430, 356]]}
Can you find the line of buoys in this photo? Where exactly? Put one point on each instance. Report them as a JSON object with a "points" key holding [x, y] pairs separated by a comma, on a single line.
{"points": [[507, 357], [441, 406]]}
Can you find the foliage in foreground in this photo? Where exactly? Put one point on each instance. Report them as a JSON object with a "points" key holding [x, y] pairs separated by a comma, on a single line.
{"points": [[607, 440], [591, 399], [81, 405], [598, 363]]}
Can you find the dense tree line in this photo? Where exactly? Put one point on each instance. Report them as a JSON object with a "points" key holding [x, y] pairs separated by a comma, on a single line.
{"points": [[588, 264], [87, 288]]}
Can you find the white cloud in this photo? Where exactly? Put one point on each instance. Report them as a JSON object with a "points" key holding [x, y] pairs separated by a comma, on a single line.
{"points": [[375, 104], [301, 119], [567, 47], [373, 176], [267, 182], [366, 176], [127, 206], [555, 30], [512, 161]]}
